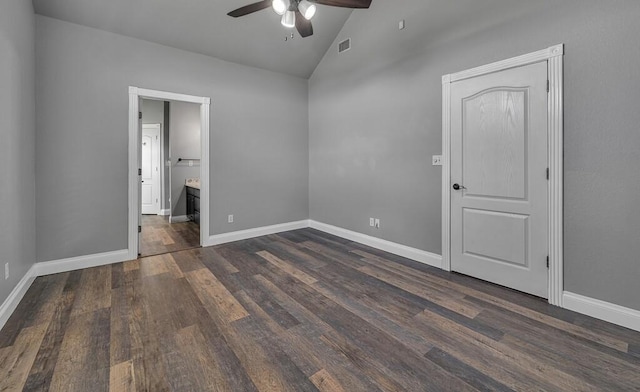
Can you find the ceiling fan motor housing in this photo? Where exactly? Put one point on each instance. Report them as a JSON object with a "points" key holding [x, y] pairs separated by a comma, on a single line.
{"points": [[297, 13]]}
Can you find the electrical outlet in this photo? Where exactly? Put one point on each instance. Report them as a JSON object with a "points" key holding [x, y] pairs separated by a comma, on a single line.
{"points": [[230, 219], [377, 223], [6, 271], [436, 160], [401, 25], [371, 222]]}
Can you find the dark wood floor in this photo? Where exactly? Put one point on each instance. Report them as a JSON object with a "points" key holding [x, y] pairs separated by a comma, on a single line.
{"points": [[159, 236], [301, 311]]}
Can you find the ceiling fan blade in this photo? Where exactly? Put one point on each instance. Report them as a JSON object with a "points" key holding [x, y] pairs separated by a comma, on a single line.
{"points": [[304, 26], [345, 3], [251, 8]]}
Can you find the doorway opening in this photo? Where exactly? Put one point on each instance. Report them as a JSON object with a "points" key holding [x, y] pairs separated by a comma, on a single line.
{"points": [[168, 172], [170, 182]]}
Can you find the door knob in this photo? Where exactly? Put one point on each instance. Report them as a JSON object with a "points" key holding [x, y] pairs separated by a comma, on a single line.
{"points": [[457, 187]]}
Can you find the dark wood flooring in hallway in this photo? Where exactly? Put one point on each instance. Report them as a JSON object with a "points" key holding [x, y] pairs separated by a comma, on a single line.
{"points": [[301, 311], [159, 236]]}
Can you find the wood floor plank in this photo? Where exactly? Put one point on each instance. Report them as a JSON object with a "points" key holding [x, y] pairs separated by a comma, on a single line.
{"points": [[409, 368], [42, 370], [264, 331], [203, 365], [215, 296], [158, 236], [150, 372], [83, 362], [468, 374], [120, 345], [325, 382], [456, 305], [255, 360], [300, 311], [288, 268], [94, 292], [547, 341], [122, 377], [17, 359], [614, 343], [538, 372]]}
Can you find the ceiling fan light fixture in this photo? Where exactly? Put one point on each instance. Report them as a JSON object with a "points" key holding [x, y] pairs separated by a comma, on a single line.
{"points": [[280, 6], [307, 9], [289, 19]]}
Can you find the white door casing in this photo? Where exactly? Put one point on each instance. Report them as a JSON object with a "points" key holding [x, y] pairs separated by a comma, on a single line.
{"points": [[555, 119], [150, 179], [135, 95], [498, 176]]}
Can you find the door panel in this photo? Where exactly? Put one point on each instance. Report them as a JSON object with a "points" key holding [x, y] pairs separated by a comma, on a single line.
{"points": [[499, 158], [495, 135], [507, 241], [150, 165]]}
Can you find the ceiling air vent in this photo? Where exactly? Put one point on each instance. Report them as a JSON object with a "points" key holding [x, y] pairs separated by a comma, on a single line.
{"points": [[344, 45]]}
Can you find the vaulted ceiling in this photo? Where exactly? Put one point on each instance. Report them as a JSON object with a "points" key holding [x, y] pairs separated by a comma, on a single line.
{"points": [[202, 26], [258, 39]]}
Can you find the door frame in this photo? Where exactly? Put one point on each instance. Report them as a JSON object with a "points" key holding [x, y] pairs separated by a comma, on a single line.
{"points": [[555, 130], [135, 94], [161, 165]]}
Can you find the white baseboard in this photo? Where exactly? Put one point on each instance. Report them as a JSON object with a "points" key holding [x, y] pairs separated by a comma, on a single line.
{"points": [[76, 263], [178, 219], [257, 232], [414, 254], [166, 212], [602, 310], [12, 301]]}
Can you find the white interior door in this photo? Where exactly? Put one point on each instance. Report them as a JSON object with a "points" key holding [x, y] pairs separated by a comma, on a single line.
{"points": [[150, 156], [499, 178]]}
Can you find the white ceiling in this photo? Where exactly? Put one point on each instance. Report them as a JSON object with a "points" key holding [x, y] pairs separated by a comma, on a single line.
{"points": [[202, 26]]}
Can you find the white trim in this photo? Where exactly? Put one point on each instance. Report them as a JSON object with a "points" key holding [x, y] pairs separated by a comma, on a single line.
{"points": [[167, 96], [55, 267], [134, 191], [446, 173], [178, 218], [554, 57], [80, 262], [135, 94], [602, 310], [256, 232], [11, 303], [519, 61], [555, 137], [166, 212], [204, 171], [414, 254]]}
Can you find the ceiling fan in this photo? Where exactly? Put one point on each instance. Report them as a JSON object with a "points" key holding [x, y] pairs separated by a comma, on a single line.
{"points": [[297, 13]]}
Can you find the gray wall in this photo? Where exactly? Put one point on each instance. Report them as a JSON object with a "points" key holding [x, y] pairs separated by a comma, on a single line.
{"points": [[184, 143], [17, 133], [153, 112], [259, 138], [375, 121]]}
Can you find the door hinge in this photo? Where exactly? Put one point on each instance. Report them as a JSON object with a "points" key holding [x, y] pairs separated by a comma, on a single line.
{"points": [[139, 115], [547, 261], [139, 172], [547, 173], [139, 229], [548, 86]]}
